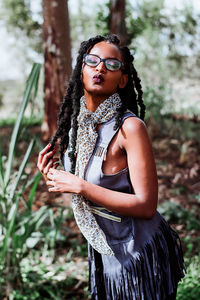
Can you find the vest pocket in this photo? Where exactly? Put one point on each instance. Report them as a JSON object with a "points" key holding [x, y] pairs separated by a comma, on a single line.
{"points": [[117, 228]]}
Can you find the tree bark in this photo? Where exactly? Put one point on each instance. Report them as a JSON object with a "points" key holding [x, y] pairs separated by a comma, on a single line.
{"points": [[57, 61], [117, 20]]}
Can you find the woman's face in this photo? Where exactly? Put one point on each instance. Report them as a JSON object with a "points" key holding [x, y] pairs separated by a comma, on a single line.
{"points": [[98, 80]]}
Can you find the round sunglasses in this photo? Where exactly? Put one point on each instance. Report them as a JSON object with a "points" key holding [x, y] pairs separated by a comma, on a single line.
{"points": [[111, 64]]}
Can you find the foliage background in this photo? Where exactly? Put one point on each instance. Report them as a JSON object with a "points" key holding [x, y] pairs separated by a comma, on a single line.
{"points": [[163, 36]]}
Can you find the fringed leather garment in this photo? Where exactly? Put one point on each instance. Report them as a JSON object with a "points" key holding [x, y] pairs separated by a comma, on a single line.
{"points": [[148, 261]]}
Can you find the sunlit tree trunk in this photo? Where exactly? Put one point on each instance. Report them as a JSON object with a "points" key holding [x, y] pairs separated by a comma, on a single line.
{"points": [[57, 56], [117, 20]]}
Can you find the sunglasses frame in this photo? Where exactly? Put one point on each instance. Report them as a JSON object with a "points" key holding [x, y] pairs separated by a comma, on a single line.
{"points": [[104, 60]]}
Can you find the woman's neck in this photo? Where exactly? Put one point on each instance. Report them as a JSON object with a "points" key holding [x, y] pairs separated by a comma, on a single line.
{"points": [[93, 101]]}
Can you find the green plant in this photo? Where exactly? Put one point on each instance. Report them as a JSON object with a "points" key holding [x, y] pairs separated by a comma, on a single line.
{"points": [[189, 288], [45, 277], [182, 129], [157, 102], [15, 230], [176, 213], [103, 18], [21, 228]]}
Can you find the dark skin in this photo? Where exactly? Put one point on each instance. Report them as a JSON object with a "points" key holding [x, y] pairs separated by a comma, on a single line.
{"points": [[130, 147]]}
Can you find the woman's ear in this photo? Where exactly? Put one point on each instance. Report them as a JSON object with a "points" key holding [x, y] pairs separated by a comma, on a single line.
{"points": [[123, 81]]}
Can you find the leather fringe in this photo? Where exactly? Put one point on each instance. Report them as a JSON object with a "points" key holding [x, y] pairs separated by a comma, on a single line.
{"points": [[152, 274]]}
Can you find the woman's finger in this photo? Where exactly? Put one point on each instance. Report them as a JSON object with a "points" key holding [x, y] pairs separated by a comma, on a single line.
{"points": [[42, 152], [50, 164], [55, 166], [46, 169], [50, 183], [53, 171], [49, 176], [46, 159], [41, 166], [53, 189]]}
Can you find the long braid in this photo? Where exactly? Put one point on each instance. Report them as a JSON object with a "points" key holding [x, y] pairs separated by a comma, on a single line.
{"points": [[64, 119], [76, 109], [131, 96], [133, 89], [138, 87]]}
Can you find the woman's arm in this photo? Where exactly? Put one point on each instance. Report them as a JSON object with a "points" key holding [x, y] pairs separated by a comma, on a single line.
{"points": [[142, 204]]}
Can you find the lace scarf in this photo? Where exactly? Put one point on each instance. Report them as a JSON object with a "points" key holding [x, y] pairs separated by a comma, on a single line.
{"points": [[86, 141]]}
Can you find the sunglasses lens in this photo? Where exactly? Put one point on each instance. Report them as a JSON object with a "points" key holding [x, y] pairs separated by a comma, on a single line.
{"points": [[91, 60]]}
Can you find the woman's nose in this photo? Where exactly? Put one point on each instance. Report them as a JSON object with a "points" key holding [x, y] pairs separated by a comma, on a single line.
{"points": [[101, 67]]}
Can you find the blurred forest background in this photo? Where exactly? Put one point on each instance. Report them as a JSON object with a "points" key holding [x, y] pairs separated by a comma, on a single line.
{"points": [[42, 253]]}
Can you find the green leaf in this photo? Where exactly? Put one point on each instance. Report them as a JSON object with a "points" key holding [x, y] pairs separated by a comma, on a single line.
{"points": [[8, 233], [1, 169], [32, 241], [33, 190], [21, 168], [12, 212], [32, 82]]}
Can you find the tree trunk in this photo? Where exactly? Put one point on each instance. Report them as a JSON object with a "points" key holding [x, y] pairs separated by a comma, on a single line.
{"points": [[57, 56], [117, 20]]}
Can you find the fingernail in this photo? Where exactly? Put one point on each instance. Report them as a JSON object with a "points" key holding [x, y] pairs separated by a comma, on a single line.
{"points": [[49, 145]]}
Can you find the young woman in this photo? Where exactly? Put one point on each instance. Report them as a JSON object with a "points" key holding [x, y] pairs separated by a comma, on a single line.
{"points": [[110, 169]]}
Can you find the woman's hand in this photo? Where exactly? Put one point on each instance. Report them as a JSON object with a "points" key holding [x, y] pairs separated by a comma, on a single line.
{"points": [[63, 182], [46, 160]]}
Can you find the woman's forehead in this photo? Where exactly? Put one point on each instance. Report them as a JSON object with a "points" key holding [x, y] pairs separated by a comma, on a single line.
{"points": [[105, 49]]}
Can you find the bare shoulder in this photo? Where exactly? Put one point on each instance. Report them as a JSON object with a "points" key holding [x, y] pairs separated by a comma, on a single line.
{"points": [[135, 140], [134, 126]]}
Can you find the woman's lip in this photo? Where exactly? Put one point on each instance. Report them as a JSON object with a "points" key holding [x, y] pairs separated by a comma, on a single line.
{"points": [[98, 78]]}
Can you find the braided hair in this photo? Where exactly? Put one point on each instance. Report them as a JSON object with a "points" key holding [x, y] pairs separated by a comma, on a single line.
{"points": [[131, 96]]}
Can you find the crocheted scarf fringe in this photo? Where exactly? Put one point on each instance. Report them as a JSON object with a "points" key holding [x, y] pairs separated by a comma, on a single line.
{"points": [[152, 275]]}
